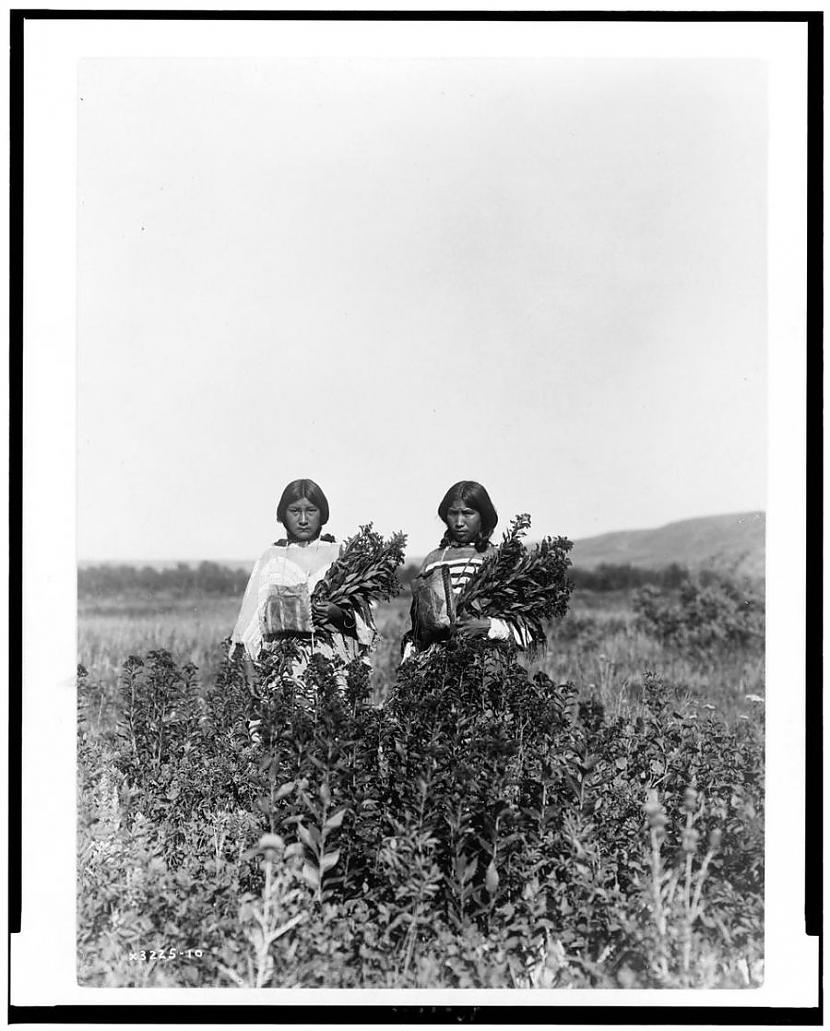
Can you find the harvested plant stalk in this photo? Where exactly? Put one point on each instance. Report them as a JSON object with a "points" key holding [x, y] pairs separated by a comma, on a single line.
{"points": [[527, 586], [366, 571]]}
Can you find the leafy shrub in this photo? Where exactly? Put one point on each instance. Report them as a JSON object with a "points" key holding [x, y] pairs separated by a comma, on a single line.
{"points": [[620, 577], [181, 580], [484, 828], [709, 611]]}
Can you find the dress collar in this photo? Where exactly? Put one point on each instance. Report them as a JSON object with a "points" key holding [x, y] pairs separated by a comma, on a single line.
{"points": [[324, 538]]}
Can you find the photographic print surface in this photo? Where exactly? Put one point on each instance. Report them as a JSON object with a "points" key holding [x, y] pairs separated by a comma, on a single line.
{"points": [[546, 277]]}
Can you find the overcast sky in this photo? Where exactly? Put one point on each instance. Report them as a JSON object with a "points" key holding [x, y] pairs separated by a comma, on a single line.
{"points": [[390, 275]]}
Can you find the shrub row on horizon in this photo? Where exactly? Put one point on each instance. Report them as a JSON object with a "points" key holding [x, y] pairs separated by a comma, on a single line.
{"points": [[213, 578]]}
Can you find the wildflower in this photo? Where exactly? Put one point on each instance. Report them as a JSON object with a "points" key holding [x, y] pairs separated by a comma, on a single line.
{"points": [[626, 977], [690, 799], [754, 698], [268, 846], [530, 888], [652, 804], [690, 839], [654, 811], [707, 706], [715, 836]]}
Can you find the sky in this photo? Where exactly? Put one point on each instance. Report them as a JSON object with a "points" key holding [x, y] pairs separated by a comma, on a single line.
{"points": [[390, 275]]}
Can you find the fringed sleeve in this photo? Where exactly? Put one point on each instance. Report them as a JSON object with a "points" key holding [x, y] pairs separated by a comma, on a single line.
{"points": [[505, 630]]}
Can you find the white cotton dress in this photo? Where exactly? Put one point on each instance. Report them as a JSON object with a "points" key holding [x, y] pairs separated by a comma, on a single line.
{"points": [[289, 565]]}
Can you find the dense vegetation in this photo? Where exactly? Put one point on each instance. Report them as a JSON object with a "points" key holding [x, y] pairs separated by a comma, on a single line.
{"points": [[214, 578], [591, 818], [181, 581]]}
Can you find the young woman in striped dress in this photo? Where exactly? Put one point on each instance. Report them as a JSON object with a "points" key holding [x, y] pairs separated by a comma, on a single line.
{"points": [[470, 519]]}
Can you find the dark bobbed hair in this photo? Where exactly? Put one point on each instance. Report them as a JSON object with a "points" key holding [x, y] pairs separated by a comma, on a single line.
{"points": [[308, 489], [474, 495]]}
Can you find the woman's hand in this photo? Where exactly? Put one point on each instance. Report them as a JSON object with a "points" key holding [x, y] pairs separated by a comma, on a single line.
{"points": [[472, 627], [325, 612], [328, 612]]}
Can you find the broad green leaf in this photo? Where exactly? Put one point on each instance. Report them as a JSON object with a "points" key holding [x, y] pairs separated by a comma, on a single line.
{"points": [[329, 860], [334, 821], [311, 875]]}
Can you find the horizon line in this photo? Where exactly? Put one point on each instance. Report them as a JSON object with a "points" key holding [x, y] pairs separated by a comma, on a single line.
{"points": [[146, 560]]}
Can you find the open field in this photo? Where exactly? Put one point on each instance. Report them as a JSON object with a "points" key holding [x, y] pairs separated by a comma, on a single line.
{"points": [[597, 647], [623, 786]]}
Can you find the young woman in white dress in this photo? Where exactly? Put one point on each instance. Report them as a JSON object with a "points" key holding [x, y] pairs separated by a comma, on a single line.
{"points": [[278, 603]]}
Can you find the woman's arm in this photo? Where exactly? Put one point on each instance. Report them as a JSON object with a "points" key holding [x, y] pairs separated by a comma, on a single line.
{"points": [[506, 630], [494, 629], [246, 631]]}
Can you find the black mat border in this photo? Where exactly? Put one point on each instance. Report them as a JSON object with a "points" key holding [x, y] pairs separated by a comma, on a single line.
{"points": [[382, 1014]]}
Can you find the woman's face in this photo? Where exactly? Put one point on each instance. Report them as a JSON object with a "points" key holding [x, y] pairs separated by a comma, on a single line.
{"points": [[463, 522], [302, 520]]}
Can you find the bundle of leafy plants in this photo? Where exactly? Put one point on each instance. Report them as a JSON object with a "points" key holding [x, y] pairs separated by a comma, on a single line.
{"points": [[527, 586], [365, 572]]}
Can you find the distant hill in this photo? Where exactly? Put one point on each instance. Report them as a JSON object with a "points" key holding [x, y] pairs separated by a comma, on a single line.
{"points": [[729, 542]]}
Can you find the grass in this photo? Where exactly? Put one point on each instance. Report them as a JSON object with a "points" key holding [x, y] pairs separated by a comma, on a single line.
{"points": [[164, 853], [597, 647]]}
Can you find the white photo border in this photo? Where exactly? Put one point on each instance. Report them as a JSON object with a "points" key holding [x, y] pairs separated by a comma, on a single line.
{"points": [[53, 47]]}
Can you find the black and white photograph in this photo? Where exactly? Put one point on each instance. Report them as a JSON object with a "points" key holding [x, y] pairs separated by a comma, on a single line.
{"points": [[430, 399]]}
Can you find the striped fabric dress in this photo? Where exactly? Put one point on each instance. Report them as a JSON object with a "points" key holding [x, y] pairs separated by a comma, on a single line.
{"points": [[462, 562]]}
